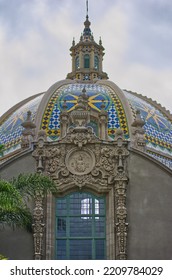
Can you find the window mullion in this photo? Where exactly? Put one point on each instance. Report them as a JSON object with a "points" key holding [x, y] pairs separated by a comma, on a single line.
{"points": [[93, 228], [83, 218]]}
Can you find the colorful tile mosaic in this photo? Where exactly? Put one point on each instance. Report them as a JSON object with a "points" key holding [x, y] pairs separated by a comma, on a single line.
{"points": [[158, 129], [96, 94], [164, 160], [11, 129]]}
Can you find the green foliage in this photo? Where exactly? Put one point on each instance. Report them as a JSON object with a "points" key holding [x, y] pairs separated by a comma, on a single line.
{"points": [[14, 194], [30, 184], [13, 211], [1, 149], [2, 257]]}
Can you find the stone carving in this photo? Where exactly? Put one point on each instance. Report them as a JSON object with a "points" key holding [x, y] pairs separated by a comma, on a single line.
{"points": [[106, 159], [80, 117], [121, 181], [38, 226], [28, 132], [84, 180], [53, 160], [40, 153], [80, 162], [80, 136], [138, 133], [40, 156]]}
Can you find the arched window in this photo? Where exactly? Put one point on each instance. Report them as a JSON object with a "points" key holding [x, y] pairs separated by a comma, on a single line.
{"points": [[86, 61], [96, 62], [87, 208], [77, 62], [80, 227]]}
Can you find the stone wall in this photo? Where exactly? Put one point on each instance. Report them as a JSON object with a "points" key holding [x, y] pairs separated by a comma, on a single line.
{"points": [[20, 165], [17, 244], [149, 204]]}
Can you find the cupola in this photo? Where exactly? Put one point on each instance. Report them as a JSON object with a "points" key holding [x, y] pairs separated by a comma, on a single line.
{"points": [[87, 57]]}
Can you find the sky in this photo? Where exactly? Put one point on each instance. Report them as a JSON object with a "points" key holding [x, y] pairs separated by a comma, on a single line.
{"points": [[35, 37]]}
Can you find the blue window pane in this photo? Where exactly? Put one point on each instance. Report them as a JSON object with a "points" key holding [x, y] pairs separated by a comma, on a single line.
{"points": [[62, 207], [100, 227], [75, 204], [99, 249], [80, 227], [80, 249], [101, 206], [61, 227], [61, 249]]}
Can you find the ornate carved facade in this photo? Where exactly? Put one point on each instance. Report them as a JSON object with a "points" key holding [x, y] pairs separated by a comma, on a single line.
{"points": [[81, 161], [109, 152]]}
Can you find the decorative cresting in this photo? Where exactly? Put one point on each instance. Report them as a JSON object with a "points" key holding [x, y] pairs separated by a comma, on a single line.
{"points": [[38, 226], [80, 160]]}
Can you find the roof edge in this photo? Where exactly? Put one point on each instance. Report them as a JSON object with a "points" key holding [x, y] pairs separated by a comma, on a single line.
{"points": [[157, 105], [17, 106]]}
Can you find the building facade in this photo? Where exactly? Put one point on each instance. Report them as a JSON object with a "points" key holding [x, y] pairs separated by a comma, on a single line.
{"points": [[109, 152]]}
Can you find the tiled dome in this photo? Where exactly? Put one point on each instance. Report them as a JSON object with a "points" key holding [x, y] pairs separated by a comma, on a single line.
{"points": [[120, 105], [96, 93], [10, 123], [158, 128]]}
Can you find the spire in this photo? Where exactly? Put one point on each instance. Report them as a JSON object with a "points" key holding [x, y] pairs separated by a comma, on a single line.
{"points": [[87, 23], [87, 7]]}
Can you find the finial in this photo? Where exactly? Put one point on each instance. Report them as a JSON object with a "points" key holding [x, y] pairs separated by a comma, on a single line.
{"points": [[28, 122], [138, 122], [87, 8]]}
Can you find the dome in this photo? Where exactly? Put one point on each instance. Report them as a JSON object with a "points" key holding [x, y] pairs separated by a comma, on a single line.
{"points": [[109, 154], [10, 123], [121, 107]]}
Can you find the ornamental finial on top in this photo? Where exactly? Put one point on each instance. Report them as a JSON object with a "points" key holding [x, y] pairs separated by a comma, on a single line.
{"points": [[87, 7]]}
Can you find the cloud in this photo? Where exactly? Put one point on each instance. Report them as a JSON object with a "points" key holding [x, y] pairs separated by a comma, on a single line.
{"points": [[35, 37]]}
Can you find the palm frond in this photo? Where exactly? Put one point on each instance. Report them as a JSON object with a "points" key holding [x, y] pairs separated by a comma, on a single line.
{"points": [[29, 184]]}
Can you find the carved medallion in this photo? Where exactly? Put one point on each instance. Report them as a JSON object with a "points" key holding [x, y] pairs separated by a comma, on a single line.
{"points": [[80, 162]]}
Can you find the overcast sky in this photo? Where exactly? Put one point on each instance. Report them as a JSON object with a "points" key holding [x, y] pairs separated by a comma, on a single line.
{"points": [[35, 37]]}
